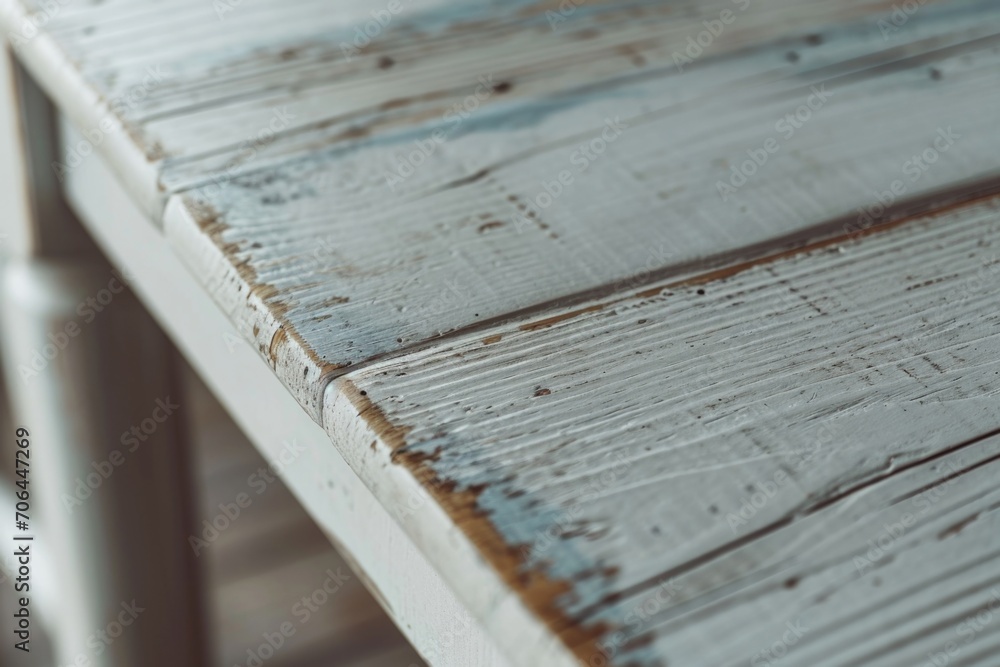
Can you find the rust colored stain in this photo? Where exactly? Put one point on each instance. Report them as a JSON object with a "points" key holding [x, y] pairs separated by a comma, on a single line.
{"points": [[211, 224], [538, 591], [877, 228], [334, 300], [556, 319], [489, 340], [490, 225], [277, 340], [387, 432], [395, 103], [957, 528], [841, 239], [923, 210]]}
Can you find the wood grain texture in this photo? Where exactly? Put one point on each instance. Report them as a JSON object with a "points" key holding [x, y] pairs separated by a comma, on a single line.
{"points": [[572, 345], [325, 267], [419, 602], [270, 147], [669, 477]]}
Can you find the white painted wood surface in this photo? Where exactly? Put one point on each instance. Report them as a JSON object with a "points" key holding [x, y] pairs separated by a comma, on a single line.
{"points": [[113, 539], [341, 268], [601, 457], [501, 368], [425, 609]]}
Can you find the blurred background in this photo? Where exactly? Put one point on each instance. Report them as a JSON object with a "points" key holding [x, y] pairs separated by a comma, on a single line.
{"points": [[257, 571]]}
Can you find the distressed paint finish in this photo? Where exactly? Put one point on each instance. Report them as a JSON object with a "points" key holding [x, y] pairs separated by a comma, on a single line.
{"points": [[207, 96], [601, 457], [558, 369], [325, 267], [343, 270], [321, 480]]}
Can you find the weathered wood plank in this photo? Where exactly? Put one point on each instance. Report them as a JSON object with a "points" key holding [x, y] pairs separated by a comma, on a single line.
{"points": [[508, 268], [590, 157], [324, 267], [277, 54], [719, 449], [415, 597]]}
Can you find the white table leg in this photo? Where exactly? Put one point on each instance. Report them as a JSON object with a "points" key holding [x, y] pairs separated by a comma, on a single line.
{"points": [[88, 372]]}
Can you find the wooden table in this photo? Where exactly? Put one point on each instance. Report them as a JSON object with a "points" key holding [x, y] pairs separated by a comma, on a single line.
{"points": [[643, 333]]}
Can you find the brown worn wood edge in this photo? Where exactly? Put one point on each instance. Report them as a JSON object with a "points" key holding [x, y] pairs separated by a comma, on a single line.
{"points": [[537, 590], [842, 229]]}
